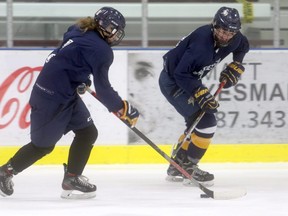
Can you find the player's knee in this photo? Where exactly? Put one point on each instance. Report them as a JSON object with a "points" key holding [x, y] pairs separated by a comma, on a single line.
{"points": [[42, 151], [208, 121], [204, 132], [207, 126], [87, 135]]}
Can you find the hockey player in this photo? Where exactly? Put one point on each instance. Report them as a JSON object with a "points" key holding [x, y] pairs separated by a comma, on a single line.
{"points": [[56, 108], [181, 83]]}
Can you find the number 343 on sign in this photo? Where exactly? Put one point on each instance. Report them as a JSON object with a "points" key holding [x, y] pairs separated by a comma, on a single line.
{"points": [[251, 119]]}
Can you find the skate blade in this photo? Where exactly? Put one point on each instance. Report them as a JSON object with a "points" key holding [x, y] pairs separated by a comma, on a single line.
{"points": [[188, 183], [72, 194], [174, 178]]}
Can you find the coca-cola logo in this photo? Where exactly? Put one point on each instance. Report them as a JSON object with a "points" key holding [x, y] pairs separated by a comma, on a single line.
{"points": [[14, 96]]}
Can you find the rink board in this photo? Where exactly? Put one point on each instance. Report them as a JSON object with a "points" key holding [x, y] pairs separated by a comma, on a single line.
{"points": [[144, 154], [252, 118], [256, 106]]}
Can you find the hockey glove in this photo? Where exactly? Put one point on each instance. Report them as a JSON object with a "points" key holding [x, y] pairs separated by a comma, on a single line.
{"points": [[81, 89], [128, 114], [205, 100], [231, 74]]}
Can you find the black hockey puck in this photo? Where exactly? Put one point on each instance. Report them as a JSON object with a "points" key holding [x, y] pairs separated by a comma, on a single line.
{"points": [[204, 196]]}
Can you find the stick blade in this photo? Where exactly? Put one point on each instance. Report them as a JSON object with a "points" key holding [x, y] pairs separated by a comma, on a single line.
{"points": [[231, 194], [225, 194]]}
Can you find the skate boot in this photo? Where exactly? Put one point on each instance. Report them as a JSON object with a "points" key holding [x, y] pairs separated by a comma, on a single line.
{"points": [[203, 177], [77, 186], [6, 184], [173, 175]]}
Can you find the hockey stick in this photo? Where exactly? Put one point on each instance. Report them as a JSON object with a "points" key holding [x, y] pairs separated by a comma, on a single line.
{"points": [[208, 192], [194, 124]]}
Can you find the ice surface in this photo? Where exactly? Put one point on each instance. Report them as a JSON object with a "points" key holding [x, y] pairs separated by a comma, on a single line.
{"points": [[141, 190]]}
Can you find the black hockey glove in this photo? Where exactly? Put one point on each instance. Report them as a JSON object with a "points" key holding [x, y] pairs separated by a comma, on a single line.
{"points": [[205, 100], [129, 114], [81, 89], [231, 74]]}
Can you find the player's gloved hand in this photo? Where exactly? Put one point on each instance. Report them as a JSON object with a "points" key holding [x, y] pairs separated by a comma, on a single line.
{"points": [[128, 114], [231, 74], [81, 89], [205, 100]]}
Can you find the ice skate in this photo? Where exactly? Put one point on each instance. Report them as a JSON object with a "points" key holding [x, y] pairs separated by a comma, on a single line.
{"points": [[6, 184], [173, 175], [203, 177], [77, 186]]}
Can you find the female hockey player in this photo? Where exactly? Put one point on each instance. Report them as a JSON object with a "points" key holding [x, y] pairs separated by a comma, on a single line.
{"points": [[181, 83], [56, 108]]}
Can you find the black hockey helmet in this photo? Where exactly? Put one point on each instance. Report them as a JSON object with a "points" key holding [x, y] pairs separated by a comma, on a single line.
{"points": [[112, 23], [228, 19]]}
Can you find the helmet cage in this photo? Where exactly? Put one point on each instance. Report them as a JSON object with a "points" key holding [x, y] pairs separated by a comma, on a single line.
{"points": [[218, 33], [112, 30]]}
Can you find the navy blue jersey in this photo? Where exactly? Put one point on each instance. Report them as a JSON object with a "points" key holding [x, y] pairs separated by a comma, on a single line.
{"points": [[80, 55], [195, 55]]}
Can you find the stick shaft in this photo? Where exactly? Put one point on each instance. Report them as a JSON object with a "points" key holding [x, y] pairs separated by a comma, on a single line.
{"points": [[196, 121], [209, 192]]}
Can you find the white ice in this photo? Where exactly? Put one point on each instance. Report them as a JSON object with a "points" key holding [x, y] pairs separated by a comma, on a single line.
{"points": [[141, 190]]}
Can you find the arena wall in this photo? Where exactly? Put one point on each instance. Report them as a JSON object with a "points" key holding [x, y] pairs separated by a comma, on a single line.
{"points": [[252, 117]]}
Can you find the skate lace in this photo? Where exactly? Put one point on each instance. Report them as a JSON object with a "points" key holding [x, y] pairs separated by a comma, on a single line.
{"points": [[199, 171], [84, 181]]}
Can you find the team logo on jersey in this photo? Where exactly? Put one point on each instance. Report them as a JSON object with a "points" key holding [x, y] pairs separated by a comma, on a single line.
{"points": [[205, 69]]}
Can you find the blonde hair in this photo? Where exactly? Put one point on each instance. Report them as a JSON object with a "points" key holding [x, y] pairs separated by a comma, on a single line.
{"points": [[87, 24]]}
